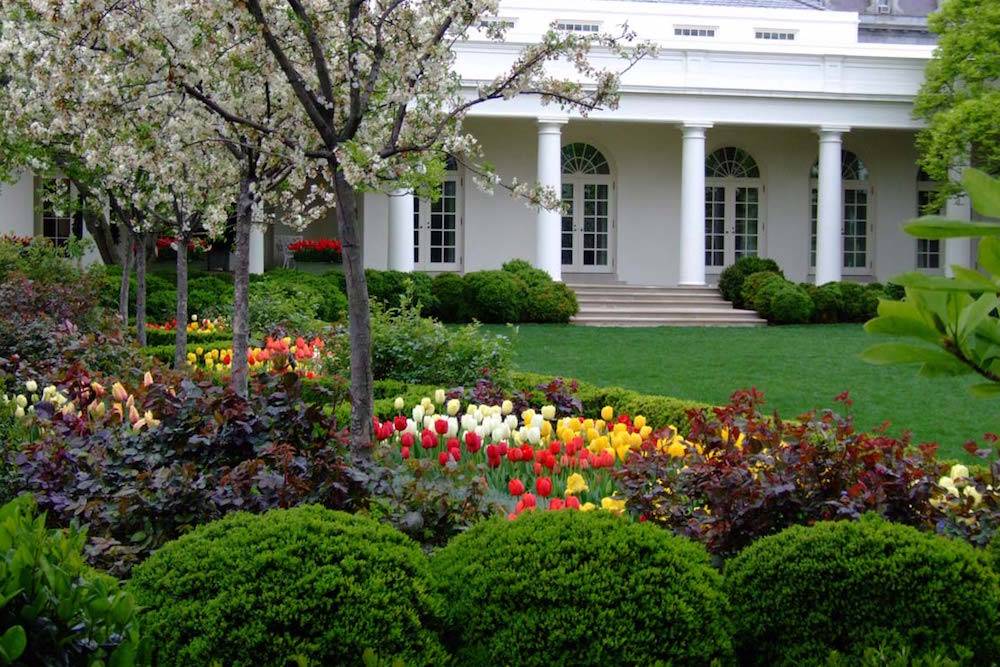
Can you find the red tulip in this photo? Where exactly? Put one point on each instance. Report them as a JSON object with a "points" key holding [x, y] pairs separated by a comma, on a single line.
{"points": [[502, 447], [492, 451], [441, 426], [515, 487], [537, 468], [555, 447], [549, 461], [407, 440], [442, 457], [400, 423], [428, 440], [453, 443], [543, 485], [529, 500], [472, 442], [405, 452], [493, 461], [556, 504], [572, 502], [527, 453], [514, 454]]}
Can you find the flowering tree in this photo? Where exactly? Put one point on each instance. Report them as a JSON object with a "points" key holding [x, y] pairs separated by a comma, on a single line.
{"points": [[377, 84]]}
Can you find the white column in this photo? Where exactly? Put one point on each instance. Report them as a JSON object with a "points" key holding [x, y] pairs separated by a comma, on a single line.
{"points": [[830, 207], [401, 230], [692, 244], [548, 243], [957, 251], [256, 249]]}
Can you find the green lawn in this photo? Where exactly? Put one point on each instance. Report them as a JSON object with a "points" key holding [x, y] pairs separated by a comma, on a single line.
{"points": [[797, 367]]}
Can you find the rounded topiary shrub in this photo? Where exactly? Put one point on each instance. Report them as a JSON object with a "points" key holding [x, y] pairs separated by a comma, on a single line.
{"points": [[828, 303], [758, 289], [570, 588], [844, 586], [310, 582], [550, 302], [859, 303], [531, 276], [495, 296], [789, 304], [731, 280], [449, 295]]}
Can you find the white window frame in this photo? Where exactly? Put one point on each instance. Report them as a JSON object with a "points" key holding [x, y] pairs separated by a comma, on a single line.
{"points": [[928, 186], [422, 232], [54, 217], [489, 21]]}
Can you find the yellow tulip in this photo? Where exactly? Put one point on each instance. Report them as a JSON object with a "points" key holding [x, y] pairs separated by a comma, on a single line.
{"points": [[599, 424], [612, 505], [587, 507], [639, 422], [607, 412], [645, 431], [575, 484], [676, 449]]}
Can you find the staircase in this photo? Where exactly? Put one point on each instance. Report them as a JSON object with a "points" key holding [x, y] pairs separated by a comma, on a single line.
{"points": [[621, 305]]}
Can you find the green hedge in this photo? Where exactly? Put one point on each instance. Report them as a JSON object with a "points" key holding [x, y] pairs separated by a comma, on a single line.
{"points": [[575, 588], [158, 337], [732, 278], [845, 586], [262, 589]]}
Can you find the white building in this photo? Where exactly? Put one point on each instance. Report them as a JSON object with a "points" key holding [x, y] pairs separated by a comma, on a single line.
{"points": [[775, 127]]}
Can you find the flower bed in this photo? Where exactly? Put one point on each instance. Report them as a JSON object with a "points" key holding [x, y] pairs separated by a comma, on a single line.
{"points": [[277, 356], [317, 250]]}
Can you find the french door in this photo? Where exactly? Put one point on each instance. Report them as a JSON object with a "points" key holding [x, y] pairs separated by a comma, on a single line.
{"points": [[733, 221], [857, 228], [437, 229], [588, 224]]}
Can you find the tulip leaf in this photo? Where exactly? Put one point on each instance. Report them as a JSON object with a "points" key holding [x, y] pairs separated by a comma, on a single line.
{"points": [[985, 389], [938, 227], [935, 361], [984, 191]]}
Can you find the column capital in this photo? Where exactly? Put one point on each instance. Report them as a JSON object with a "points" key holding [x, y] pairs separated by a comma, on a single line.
{"points": [[828, 132], [695, 128], [554, 121]]}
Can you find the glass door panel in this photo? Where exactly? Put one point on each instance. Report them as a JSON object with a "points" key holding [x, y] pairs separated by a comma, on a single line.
{"points": [[746, 223], [568, 225], [715, 226], [855, 229]]}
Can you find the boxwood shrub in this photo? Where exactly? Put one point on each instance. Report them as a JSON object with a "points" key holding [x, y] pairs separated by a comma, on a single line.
{"points": [[844, 586], [731, 280], [758, 288], [495, 296], [306, 584], [557, 588], [788, 304]]}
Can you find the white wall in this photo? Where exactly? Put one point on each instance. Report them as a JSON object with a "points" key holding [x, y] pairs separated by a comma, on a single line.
{"points": [[17, 204], [646, 160]]}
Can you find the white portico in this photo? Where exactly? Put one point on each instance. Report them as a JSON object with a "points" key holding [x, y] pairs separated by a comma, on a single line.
{"points": [[755, 130]]}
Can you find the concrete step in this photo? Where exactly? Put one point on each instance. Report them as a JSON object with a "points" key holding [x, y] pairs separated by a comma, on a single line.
{"points": [[663, 322], [650, 305], [707, 313], [692, 300], [639, 289]]}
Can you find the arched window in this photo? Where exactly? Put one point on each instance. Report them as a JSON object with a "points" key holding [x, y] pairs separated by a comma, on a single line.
{"points": [[580, 158], [855, 229], [731, 162], [588, 201], [928, 250], [733, 211]]}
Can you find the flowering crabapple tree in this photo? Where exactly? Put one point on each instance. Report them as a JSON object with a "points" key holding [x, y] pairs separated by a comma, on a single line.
{"points": [[377, 83]]}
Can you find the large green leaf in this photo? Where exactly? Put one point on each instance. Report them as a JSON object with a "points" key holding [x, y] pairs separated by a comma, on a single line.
{"points": [[986, 389], [989, 254], [12, 644], [973, 276], [974, 314], [902, 326], [923, 281], [934, 361], [938, 227], [984, 191]]}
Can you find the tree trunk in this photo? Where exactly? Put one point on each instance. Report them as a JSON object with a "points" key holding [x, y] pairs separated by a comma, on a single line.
{"points": [[125, 254], [100, 231], [180, 331], [359, 317], [241, 283], [140, 289]]}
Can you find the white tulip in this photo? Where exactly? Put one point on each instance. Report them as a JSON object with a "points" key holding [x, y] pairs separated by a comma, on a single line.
{"points": [[511, 422], [549, 412], [418, 413], [19, 412], [452, 427], [439, 397], [534, 435], [454, 405], [21, 401], [398, 403], [31, 386], [506, 407]]}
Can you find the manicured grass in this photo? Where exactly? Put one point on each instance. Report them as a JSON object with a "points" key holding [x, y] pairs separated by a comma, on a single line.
{"points": [[797, 367]]}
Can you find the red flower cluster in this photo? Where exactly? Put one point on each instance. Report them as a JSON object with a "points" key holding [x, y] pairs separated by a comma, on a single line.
{"points": [[194, 245], [320, 250], [23, 241]]}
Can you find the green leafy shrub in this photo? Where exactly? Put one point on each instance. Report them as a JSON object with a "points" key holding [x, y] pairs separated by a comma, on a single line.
{"points": [[307, 582], [158, 337], [859, 303], [894, 291], [828, 302], [449, 296], [210, 295], [54, 609], [389, 287], [579, 588], [495, 296], [550, 302], [788, 304], [283, 304], [528, 274], [418, 350], [758, 289], [161, 305], [322, 293], [732, 279], [842, 586], [994, 552]]}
